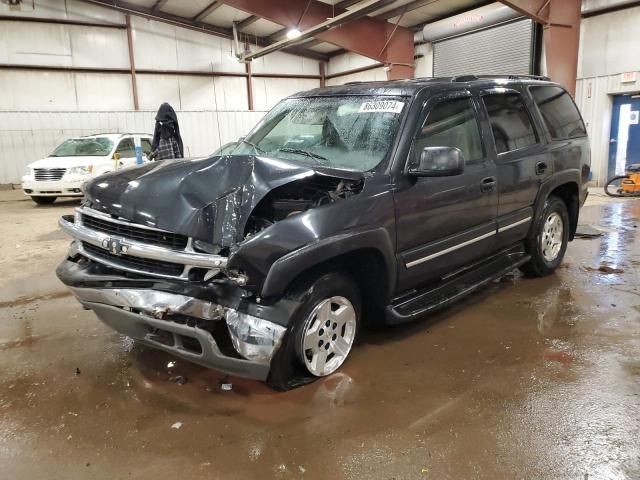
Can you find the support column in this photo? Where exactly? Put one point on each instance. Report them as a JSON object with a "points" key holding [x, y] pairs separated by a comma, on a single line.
{"points": [[132, 63], [561, 23], [323, 78], [561, 41], [247, 67]]}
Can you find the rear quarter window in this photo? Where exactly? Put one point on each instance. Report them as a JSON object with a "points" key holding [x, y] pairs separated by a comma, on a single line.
{"points": [[559, 112]]}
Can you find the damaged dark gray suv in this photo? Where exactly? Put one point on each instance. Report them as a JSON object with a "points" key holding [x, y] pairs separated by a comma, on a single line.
{"points": [[362, 204]]}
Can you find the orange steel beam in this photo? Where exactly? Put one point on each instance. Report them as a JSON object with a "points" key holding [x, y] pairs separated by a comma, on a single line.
{"points": [[383, 41], [561, 24]]}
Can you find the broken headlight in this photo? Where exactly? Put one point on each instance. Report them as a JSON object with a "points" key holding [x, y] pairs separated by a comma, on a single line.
{"points": [[254, 338]]}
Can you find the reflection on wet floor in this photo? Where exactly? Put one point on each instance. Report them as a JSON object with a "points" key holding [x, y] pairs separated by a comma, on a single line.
{"points": [[527, 378]]}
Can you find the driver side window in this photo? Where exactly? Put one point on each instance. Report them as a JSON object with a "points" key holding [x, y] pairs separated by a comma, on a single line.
{"points": [[452, 123], [126, 148]]}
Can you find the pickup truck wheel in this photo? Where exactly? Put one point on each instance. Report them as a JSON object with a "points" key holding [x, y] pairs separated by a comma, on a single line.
{"points": [[43, 200], [329, 323], [548, 241]]}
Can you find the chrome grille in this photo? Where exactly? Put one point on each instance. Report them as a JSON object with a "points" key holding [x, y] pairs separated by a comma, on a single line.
{"points": [[48, 174], [127, 230], [136, 263]]}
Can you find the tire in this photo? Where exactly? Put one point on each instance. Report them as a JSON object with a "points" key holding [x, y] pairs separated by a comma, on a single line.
{"points": [[312, 349], [547, 242], [44, 200]]}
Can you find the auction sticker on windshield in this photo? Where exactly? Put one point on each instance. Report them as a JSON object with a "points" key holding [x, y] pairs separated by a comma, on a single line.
{"points": [[386, 106]]}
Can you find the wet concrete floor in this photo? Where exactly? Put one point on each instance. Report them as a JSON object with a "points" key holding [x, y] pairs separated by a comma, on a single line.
{"points": [[529, 378]]}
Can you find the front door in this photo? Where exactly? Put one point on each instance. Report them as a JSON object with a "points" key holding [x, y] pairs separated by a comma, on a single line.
{"points": [[624, 142], [126, 153], [444, 223]]}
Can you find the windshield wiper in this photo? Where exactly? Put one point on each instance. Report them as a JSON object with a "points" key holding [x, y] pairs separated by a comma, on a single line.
{"points": [[300, 151], [255, 147]]}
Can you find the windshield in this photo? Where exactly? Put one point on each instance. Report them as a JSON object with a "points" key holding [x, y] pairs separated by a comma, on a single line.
{"points": [[84, 147], [347, 132]]}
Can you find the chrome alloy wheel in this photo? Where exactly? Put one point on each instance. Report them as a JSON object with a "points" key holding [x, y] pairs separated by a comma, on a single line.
{"points": [[328, 335], [551, 238]]}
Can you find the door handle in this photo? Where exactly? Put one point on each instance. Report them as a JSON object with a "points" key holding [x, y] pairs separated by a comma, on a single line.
{"points": [[541, 167], [488, 184]]}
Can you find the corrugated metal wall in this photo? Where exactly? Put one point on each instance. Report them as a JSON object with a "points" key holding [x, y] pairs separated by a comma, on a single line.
{"points": [[29, 136], [505, 49], [39, 109]]}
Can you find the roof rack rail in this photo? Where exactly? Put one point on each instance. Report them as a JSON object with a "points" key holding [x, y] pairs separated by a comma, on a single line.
{"points": [[529, 77], [464, 78], [470, 78]]}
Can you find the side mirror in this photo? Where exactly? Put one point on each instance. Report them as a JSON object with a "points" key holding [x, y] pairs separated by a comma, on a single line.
{"points": [[116, 156], [437, 162]]}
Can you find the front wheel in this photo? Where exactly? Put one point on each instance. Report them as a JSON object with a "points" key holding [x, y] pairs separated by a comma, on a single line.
{"points": [[43, 200], [327, 335], [548, 240], [322, 329]]}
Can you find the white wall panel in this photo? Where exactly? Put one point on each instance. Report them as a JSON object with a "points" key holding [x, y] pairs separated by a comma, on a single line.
{"points": [[64, 10], [230, 94], [377, 74], [279, 62], [204, 52], [348, 61], [156, 89], [196, 93], [98, 91], [609, 43], [98, 47], [36, 43], [154, 45], [269, 91], [33, 90], [82, 11], [158, 46], [29, 136], [37, 8], [63, 45]]}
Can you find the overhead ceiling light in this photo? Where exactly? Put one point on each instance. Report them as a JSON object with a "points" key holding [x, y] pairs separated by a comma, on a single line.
{"points": [[293, 33]]}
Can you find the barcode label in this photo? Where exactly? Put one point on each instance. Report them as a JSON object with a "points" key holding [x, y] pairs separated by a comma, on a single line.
{"points": [[386, 106]]}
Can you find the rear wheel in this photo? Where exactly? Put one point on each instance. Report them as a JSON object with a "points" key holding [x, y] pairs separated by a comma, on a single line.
{"points": [[43, 200], [548, 239]]}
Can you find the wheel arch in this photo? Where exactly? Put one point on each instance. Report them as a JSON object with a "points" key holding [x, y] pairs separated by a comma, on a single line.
{"points": [[366, 255], [565, 185]]}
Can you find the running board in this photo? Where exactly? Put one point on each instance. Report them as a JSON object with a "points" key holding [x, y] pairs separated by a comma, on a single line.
{"points": [[418, 303]]}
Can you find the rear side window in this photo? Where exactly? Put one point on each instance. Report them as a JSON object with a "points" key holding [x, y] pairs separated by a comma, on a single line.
{"points": [[452, 124], [560, 114], [510, 121]]}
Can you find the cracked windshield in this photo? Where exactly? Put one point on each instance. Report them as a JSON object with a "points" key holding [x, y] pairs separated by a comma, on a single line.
{"points": [[347, 132]]}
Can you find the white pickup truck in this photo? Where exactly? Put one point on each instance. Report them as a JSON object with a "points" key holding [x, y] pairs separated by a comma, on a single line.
{"points": [[77, 160]]}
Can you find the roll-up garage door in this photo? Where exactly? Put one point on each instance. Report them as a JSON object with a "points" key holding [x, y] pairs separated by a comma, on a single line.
{"points": [[505, 49]]}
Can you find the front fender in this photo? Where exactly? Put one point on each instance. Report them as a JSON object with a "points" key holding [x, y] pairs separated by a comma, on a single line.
{"points": [[288, 267]]}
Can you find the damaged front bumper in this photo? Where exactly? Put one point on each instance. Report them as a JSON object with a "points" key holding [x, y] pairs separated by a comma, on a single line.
{"points": [[204, 332]]}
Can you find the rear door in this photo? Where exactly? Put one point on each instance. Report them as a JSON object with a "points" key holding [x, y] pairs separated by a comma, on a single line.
{"points": [[521, 161], [444, 223]]}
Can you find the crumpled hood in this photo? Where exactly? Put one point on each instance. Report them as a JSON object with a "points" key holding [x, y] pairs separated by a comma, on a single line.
{"points": [[209, 199]]}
